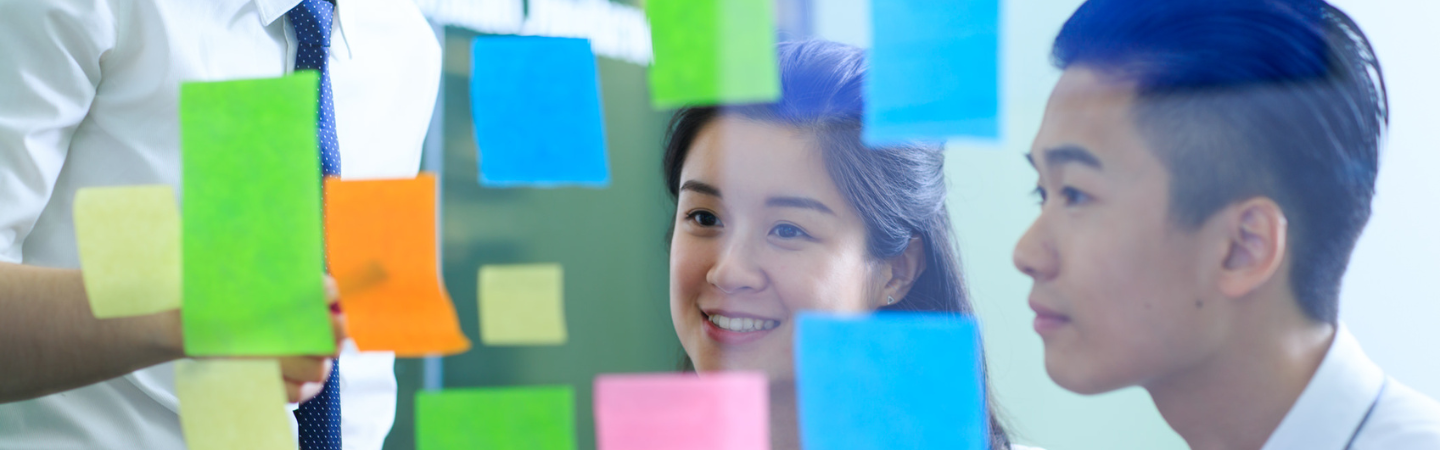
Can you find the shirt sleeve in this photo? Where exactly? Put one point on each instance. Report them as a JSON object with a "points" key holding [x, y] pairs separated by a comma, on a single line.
{"points": [[50, 57]]}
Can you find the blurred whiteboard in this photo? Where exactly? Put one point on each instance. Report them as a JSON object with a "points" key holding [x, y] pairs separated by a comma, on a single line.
{"points": [[614, 30]]}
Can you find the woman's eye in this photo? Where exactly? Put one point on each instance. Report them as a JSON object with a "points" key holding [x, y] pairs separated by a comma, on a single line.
{"points": [[703, 218], [1039, 193], [1074, 196], [787, 231]]}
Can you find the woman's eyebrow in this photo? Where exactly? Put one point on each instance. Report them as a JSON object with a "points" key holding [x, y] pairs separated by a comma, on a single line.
{"points": [[700, 188], [798, 202]]}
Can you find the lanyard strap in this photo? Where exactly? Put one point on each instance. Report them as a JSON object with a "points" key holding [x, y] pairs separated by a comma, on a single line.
{"points": [[1368, 412]]}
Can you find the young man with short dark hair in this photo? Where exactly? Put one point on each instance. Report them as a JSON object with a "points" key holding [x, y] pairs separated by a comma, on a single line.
{"points": [[1205, 169]]}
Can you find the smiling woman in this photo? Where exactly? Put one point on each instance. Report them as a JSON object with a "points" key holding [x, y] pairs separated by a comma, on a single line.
{"points": [[780, 208]]}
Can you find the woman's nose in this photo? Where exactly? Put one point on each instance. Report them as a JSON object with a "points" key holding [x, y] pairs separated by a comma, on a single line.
{"points": [[736, 270]]}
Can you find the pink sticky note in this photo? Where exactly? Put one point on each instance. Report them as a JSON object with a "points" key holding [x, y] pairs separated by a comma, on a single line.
{"points": [[720, 411]]}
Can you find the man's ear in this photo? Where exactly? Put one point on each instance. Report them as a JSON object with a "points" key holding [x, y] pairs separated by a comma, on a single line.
{"points": [[1257, 233], [905, 268]]}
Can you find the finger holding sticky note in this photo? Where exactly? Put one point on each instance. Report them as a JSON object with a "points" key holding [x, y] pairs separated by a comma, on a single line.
{"points": [[129, 243], [380, 237], [522, 304], [232, 404], [714, 411]]}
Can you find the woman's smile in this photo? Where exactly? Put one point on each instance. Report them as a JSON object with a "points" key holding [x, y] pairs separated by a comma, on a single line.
{"points": [[735, 328]]}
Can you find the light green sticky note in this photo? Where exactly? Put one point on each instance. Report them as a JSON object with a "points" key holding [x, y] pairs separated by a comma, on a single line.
{"points": [[233, 404], [507, 418], [129, 243], [522, 304], [250, 218], [712, 51]]}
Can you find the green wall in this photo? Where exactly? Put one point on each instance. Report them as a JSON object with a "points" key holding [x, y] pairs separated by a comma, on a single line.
{"points": [[611, 242]]}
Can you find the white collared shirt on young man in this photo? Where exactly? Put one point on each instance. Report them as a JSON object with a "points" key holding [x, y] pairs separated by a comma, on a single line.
{"points": [[1351, 404], [89, 97]]}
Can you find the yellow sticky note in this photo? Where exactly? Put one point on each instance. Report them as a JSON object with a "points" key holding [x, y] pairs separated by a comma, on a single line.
{"points": [[522, 304], [129, 242], [233, 404]]}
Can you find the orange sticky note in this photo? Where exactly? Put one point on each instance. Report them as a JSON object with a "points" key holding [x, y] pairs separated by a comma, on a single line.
{"points": [[380, 241]]}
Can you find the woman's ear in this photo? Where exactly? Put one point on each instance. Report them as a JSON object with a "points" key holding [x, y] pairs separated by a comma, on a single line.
{"points": [[1257, 232], [904, 269]]}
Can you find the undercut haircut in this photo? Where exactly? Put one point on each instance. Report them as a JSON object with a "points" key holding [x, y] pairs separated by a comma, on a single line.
{"points": [[1251, 98]]}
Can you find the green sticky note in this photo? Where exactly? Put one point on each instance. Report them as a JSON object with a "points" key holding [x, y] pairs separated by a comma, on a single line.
{"points": [[712, 51], [507, 418], [233, 404], [250, 217], [522, 304], [129, 243]]}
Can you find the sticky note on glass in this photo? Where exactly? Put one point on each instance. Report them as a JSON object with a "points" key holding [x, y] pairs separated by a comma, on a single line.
{"points": [[507, 418], [233, 404], [252, 266], [934, 71], [890, 381], [716, 411], [129, 242], [710, 52], [522, 304], [380, 240], [536, 105]]}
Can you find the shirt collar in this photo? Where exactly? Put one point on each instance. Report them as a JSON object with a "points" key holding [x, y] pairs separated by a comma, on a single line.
{"points": [[1335, 400], [272, 10]]}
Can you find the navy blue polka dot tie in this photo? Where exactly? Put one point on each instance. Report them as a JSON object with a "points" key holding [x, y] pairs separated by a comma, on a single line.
{"points": [[319, 418]]}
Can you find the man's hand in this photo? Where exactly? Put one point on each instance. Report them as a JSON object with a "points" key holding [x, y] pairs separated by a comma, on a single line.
{"points": [[305, 375]]}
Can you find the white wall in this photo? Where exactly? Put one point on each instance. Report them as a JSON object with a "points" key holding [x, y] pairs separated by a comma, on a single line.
{"points": [[1389, 297], [1383, 301]]}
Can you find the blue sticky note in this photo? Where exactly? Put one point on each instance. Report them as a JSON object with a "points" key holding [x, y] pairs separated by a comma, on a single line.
{"points": [[536, 104], [890, 381], [934, 71]]}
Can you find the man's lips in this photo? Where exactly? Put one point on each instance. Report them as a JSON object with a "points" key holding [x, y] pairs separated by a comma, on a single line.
{"points": [[1047, 320]]}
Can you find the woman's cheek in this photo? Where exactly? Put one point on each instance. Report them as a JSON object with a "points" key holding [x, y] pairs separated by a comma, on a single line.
{"points": [[688, 267]]}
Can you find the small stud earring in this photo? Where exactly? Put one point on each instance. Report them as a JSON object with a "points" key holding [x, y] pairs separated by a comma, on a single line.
{"points": [[889, 300]]}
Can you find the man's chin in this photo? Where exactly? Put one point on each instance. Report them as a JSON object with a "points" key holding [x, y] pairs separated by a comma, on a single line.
{"points": [[1079, 379]]}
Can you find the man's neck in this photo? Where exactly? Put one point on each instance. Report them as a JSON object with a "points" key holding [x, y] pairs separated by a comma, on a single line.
{"points": [[1236, 398]]}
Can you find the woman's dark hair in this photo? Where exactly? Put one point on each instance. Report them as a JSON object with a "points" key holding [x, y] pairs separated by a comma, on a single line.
{"points": [[899, 191]]}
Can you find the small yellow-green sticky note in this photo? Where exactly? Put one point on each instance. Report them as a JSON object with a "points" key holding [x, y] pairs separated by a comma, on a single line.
{"points": [[129, 242], [233, 404], [522, 304], [712, 52]]}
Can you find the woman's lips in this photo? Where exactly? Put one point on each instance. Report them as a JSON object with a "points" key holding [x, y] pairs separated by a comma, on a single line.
{"points": [[736, 328]]}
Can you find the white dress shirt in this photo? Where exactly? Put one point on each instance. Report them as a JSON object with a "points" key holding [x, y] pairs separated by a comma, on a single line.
{"points": [[1351, 404], [89, 97]]}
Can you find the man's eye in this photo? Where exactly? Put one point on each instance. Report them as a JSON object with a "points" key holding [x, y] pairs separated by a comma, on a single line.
{"points": [[1074, 196], [787, 231], [704, 218]]}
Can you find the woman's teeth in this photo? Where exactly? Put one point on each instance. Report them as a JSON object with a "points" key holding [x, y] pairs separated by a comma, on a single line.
{"points": [[742, 324]]}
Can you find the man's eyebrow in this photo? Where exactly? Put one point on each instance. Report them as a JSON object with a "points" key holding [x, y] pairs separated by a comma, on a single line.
{"points": [[1068, 154], [700, 188], [798, 202]]}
